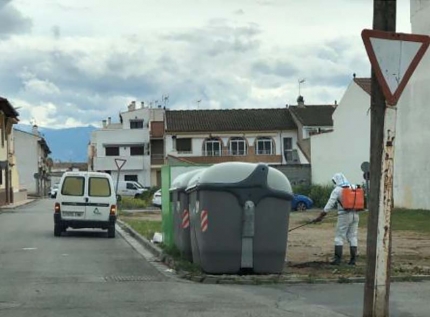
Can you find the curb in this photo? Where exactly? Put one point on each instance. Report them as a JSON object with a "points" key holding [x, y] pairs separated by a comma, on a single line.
{"points": [[156, 251], [6, 209], [270, 279]]}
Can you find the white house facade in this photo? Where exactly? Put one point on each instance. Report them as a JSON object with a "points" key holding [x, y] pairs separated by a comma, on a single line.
{"points": [[348, 145], [249, 135], [32, 151], [127, 140], [411, 162]]}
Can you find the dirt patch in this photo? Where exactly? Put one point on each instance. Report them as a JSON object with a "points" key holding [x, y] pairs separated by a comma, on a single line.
{"points": [[310, 249]]}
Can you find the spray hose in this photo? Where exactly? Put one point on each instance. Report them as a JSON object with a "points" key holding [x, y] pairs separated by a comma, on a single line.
{"points": [[311, 222]]}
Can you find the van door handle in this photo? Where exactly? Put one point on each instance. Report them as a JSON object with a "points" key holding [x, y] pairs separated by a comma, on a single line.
{"points": [[86, 199]]}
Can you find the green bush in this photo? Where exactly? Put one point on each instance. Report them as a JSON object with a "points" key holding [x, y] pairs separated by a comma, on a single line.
{"points": [[318, 193], [132, 203]]}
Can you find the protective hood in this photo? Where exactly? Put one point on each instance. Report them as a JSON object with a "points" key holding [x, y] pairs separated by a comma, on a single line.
{"points": [[340, 180]]}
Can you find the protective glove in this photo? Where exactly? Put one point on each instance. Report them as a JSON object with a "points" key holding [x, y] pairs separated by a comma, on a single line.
{"points": [[320, 217]]}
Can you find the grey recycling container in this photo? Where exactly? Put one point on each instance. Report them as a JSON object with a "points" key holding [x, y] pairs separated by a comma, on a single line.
{"points": [[239, 218], [181, 215]]}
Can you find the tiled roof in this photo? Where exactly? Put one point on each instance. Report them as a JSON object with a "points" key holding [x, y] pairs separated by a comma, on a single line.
{"points": [[229, 120], [364, 83], [314, 115], [8, 109]]}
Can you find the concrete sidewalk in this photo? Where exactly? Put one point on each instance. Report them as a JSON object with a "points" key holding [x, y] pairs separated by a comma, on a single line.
{"points": [[17, 204]]}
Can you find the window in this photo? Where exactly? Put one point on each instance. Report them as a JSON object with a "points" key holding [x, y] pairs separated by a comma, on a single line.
{"points": [[137, 150], [73, 186], [136, 124], [112, 151], [238, 146], [183, 145], [288, 149], [212, 147], [130, 178], [1, 177], [264, 146], [99, 187]]}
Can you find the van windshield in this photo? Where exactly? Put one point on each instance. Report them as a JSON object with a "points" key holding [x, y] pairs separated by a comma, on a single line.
{"points": [[73, 186], [138, 185], [99, 187]]}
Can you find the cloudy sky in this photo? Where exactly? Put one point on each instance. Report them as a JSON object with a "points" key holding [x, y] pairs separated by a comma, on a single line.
{"points": [[75, 62]]}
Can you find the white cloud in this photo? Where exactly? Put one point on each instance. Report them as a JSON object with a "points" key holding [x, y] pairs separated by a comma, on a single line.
{"points": [[85, 61], [40, 87]]}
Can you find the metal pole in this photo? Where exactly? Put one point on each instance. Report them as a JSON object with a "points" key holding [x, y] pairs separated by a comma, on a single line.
{"points": [[383, 130]]}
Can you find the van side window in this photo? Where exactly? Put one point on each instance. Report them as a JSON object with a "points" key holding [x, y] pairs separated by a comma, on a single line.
{"points": [[99, 187], [73, 186], [130, 186]]}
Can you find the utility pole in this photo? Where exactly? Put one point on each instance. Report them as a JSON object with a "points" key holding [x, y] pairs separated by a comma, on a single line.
{"points": [[377, 287]]}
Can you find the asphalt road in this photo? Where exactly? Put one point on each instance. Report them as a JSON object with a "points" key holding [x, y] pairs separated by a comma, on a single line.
{"points": [[86, 274]]}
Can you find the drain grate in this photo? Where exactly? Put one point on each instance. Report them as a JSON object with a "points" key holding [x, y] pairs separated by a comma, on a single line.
{"points": [[144, 278]]}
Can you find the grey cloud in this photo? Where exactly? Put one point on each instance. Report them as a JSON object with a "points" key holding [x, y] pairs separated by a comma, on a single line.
{"points": [[239, 12], [56, 32], [219, 38], [11, 20]]}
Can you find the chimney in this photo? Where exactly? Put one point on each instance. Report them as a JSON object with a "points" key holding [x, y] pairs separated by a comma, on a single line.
{"points": [[35, 130], [132, 106], [300, 102], [104, 123], [109, 121]]}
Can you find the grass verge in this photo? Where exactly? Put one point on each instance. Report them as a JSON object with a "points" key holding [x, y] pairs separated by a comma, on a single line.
{"points": [[146, 228]]}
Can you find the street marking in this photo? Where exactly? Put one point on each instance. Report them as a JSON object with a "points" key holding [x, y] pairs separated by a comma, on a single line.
{"points": [[29, 249]]}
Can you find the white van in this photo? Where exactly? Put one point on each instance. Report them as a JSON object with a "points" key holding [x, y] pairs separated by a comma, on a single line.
{"points": [[130, 189], [85, 200]]}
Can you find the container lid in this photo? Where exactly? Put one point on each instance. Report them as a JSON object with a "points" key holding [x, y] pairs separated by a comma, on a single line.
{"points": [[181, 181], [238, 173]]}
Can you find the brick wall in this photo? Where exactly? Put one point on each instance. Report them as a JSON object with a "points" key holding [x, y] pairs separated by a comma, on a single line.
{"points": [[298, 174]]}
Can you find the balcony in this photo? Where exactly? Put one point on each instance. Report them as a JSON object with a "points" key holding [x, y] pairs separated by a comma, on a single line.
{"points": [[132, 163], [157, 159], [212, 157]]}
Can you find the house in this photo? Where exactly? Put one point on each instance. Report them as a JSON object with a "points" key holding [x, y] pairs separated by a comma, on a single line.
{"points": [[311, 120], [248, 135], [58, 169], [346, 147], [138, 139], [33, 162], [8, 170], [411, 161]]}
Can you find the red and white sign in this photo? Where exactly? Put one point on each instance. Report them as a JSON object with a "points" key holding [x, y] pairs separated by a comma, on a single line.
{"points": [[204, 220], [185, 219], [394, 58]]}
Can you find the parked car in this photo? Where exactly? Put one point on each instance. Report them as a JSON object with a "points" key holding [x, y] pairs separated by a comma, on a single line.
{"points": [[53, 190], [85, 200], [301, 203], [156, 199], [130, 189]]}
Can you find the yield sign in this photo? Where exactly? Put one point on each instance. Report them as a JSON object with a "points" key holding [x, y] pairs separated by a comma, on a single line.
{"points": [[394, 58]]}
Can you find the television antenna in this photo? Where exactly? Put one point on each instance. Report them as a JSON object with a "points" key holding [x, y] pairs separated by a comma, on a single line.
{"points": [[301, 81]]}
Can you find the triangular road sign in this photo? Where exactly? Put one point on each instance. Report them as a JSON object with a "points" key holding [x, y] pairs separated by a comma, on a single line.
{"points": [[394, 58]]}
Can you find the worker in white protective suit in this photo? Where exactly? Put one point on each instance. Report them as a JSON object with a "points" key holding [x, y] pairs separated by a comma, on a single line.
{"points": [[347, 221]]}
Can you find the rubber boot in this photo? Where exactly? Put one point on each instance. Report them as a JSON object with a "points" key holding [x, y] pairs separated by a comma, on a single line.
{"points": [[338, 250], [353, 252]]}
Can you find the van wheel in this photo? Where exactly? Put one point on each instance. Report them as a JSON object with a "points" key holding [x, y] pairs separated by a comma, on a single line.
{"points": [[137, 196], [111, 231], [57, 230]]}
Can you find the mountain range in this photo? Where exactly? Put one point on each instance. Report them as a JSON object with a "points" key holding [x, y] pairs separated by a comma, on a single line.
{"points": [[66, 145]]}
